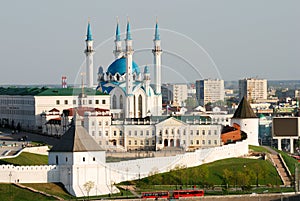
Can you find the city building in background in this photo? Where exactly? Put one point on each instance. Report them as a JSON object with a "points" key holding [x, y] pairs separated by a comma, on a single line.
{"points": [[254, 89], [209, 91], [176, 94]]}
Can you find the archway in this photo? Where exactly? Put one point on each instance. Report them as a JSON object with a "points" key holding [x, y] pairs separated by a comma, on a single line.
{"points": [[165, 142], [172, 143], [178, 143]]}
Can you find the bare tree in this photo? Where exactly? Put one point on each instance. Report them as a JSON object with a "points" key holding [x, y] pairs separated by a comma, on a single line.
{"points": [[88, 187]]}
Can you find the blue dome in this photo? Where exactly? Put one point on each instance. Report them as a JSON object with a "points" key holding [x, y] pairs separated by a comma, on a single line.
{"points": [[119, 66]]}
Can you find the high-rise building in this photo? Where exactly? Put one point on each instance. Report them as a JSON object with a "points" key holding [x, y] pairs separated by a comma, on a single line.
{"points": [[175, 93], [254, 89], [209, 91]]}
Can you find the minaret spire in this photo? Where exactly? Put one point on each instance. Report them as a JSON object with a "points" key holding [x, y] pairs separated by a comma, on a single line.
{"points": [[128, 31], [89, 52], [129, 75], [118, 43], [157, 59]]}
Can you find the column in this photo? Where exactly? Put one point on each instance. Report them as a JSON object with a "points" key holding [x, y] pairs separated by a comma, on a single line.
{"points": [[292, 145], [279, 143]]}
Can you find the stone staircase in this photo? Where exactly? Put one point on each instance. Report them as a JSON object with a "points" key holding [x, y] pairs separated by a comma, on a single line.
{"points": [[281, 169]]}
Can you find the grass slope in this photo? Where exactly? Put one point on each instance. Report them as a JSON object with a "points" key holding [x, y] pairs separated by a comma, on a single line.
{"points": [[26, 158], [259, 149], [52, 188], [14, 193]]}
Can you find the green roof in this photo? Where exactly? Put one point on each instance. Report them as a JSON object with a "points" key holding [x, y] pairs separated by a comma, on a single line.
{"points": [[45, 91]]}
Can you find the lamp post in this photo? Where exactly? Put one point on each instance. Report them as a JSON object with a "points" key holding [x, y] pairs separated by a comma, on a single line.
{"points": [[139, 167]]}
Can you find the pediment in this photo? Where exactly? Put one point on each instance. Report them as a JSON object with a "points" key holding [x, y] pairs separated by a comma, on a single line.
{"points": [[171, 122]]}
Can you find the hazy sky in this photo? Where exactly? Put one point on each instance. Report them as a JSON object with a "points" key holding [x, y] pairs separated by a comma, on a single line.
{"points": [[230, 39]]}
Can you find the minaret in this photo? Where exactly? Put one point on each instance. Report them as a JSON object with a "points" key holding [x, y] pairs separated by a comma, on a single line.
{"points": [[129, 53], [118, 43], [89, 52], [157, 60]]}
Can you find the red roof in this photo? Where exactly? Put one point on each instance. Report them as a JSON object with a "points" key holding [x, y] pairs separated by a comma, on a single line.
{"points": [[82, 110]]}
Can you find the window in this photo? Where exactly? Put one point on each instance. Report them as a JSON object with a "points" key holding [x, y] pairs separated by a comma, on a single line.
{"points": [[160, 141], [184, 132], [90, 102], [203, 141], [121, 133], [215, 131], [57, 102], [209, 132], [66, 159], [215, 142], [106, 133], [135, 133], [153, 133], [103, 102], [153, 142], [197, 141], [129, 142], [147, 142], [106, 123], [94, 159], [100, 123], [203, 132], [191, 141], [160, 132], [142, 142], [115, 133], [135, 142], [99, 133], [97, 101], [198, 132], [191, 132], [147, 132], [83, 159], [141, 133], [56, 160], [167, 131], [172, 131], [66, 102], [129, 133], [209, 141], [178, 131]]}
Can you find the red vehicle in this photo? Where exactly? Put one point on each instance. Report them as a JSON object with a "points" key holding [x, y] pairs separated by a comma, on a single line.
{"points": [[187, 193], [161, 194]]}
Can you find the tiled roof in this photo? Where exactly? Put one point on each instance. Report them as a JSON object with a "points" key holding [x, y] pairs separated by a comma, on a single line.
{"points": [[76, 139], [244, 110]]}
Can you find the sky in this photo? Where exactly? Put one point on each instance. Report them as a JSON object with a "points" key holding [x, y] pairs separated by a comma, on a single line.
{"points": [[40, 41]]}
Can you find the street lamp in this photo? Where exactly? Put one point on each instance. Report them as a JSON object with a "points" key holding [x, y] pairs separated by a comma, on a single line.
{"points": [[139, 167]]}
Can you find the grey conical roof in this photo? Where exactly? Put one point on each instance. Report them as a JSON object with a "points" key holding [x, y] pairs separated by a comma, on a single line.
{"points": [[76, 139], [244, 110]]}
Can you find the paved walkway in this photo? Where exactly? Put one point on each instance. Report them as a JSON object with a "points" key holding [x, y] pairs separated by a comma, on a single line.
{"points": [[279, 165]]}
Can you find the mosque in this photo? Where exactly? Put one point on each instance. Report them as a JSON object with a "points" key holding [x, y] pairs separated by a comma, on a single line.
{"points": [[132, 94]]}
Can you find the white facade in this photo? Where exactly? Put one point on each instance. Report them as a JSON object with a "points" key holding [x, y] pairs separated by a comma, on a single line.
{"points": [[254, 89], [176, 93], [249, 126], [105, 175], [209, 91], [26, 110], [132, 95]]}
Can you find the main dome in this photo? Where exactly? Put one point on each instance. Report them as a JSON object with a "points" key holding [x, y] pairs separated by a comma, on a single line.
{"points": [[119, 66]]}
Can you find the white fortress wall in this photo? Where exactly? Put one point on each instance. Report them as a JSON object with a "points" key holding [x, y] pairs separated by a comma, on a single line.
{"points": [[29, 174], [139, 168]]}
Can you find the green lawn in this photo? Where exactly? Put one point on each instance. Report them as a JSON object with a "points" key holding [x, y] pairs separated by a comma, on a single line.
{"points": [[240, 172], [52, 189], [26, 158], [9, 192], [259, 149]]}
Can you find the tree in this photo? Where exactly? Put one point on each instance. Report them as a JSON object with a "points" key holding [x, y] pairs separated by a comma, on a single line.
{"points": [[227, 176], [88, 187]]}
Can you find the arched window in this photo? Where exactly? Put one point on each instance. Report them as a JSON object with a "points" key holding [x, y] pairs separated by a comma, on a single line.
{"points": [[118, 77], [140, 106], [114, 102], [121, 102]]}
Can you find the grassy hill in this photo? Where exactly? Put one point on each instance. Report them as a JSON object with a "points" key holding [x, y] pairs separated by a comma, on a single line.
{"points": [[26, 158]]}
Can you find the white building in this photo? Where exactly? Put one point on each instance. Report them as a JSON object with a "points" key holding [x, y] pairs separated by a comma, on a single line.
{"points": [[209, 91], [254, 89], [25, 106], [175, 93]]}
